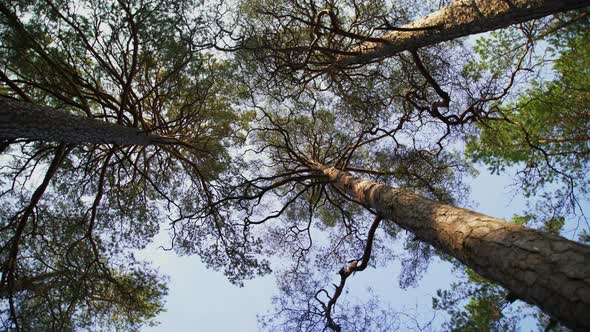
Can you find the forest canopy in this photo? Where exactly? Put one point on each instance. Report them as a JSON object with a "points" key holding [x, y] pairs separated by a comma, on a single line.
{"points": [[310, 140]]}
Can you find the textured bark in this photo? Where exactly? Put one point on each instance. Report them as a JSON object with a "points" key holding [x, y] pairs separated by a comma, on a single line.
{"points": [[20, 119], [460, 18], [539, 268]]}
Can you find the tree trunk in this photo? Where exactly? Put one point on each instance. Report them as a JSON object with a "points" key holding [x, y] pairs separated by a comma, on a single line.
{"points": [[539, 268], [460, 18], [19, 119]]}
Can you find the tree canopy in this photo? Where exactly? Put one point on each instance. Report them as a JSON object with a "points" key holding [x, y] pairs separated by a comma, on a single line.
{"points": [[330, 136]]}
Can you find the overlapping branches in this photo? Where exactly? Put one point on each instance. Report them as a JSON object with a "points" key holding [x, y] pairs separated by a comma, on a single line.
{"points": [[138, 65]]}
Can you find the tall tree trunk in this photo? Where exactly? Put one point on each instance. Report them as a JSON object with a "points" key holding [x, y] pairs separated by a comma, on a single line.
{"points": [[19, 119], [460, 18], [539, 268]]}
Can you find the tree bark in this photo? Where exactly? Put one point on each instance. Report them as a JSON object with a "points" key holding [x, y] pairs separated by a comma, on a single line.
{"points": [[460, 18], [19, 119], [539, 268]]}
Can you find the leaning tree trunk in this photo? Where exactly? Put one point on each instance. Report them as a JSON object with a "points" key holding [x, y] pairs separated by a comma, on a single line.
{"points": [[19, 119], [460, 18], [539, 268]]}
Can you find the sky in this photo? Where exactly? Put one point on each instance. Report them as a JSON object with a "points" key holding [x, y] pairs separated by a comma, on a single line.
{"points": [[203, 300]]}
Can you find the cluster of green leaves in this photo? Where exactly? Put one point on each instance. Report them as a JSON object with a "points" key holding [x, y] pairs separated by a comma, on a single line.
{"points": [[65, 282], [495, 54], [545, 129], [484, 308]]}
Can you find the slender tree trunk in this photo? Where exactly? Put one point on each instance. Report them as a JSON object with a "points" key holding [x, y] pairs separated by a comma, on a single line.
{"points": [[460, 18], [539, 268], [19, 119]]}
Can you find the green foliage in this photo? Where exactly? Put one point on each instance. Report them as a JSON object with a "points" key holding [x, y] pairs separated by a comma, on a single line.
{"points": [[522, 220], [545, 129], [68, 281], [139, 64], [554, 225], [495, 54], [483, 310], [105, 201]]}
